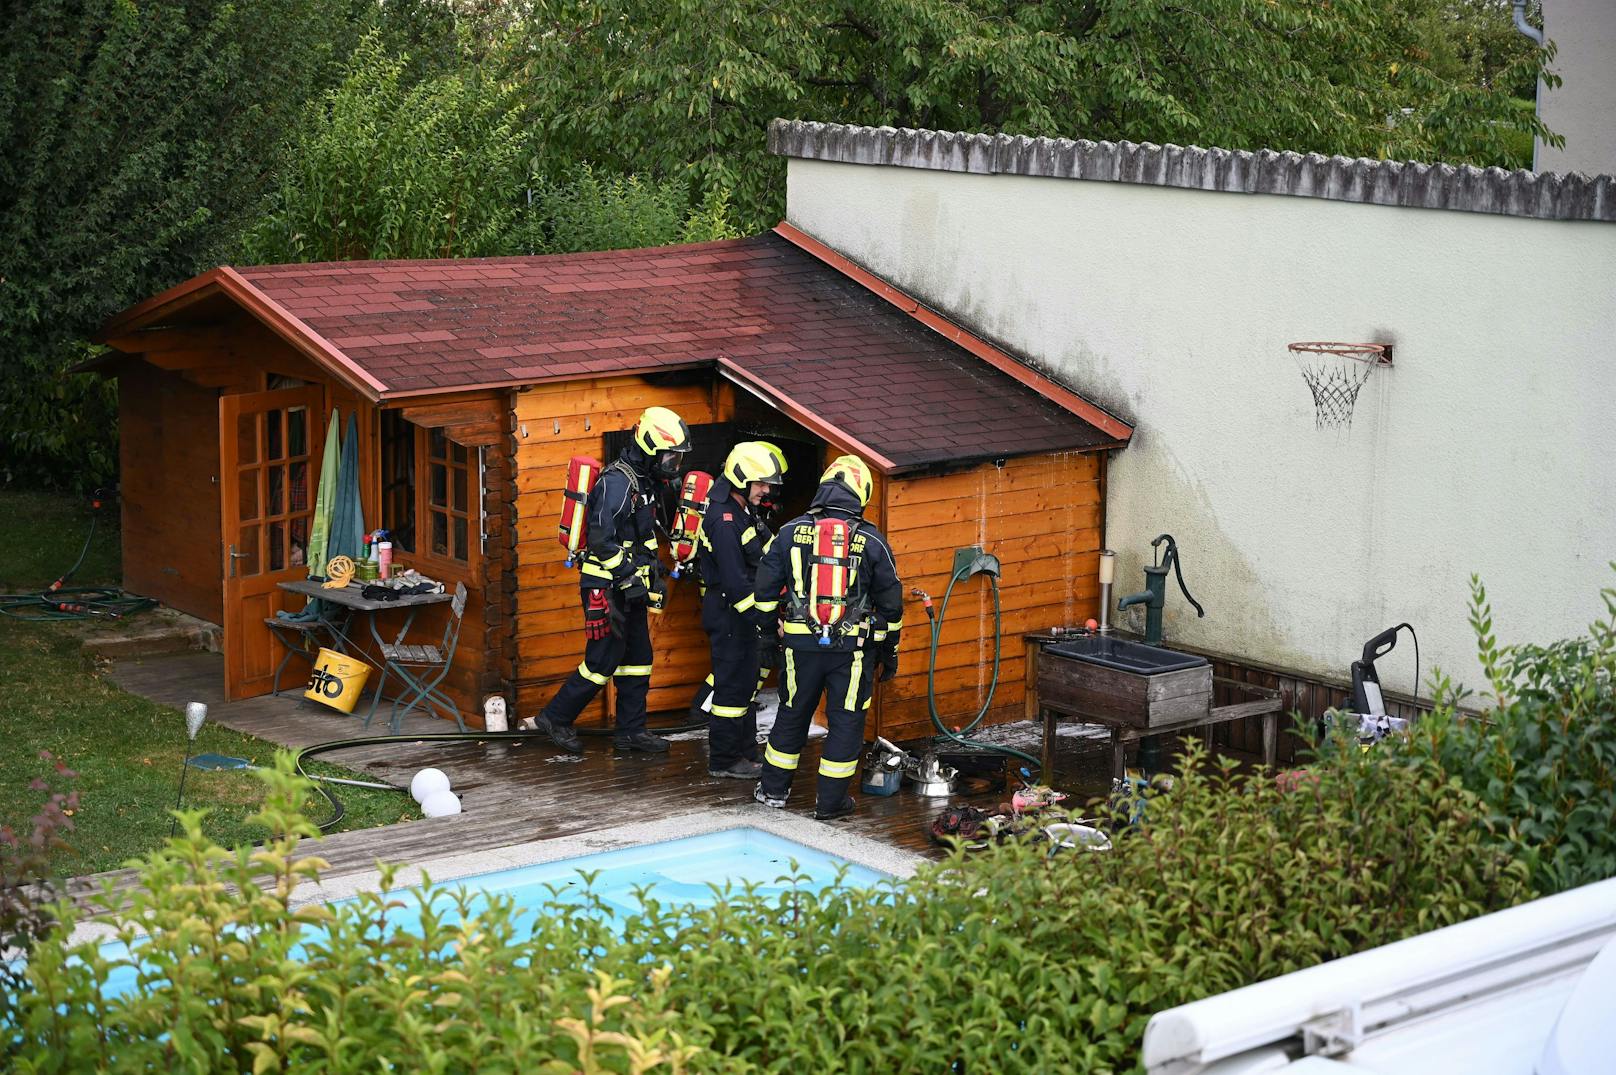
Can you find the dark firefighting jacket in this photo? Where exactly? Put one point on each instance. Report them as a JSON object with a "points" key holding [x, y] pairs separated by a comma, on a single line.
{"points": [[733, 536], [621, 510]]}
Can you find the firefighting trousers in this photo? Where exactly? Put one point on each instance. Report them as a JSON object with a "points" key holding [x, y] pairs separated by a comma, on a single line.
{"points": [[732, 717], [843, 678], [625, 657]]}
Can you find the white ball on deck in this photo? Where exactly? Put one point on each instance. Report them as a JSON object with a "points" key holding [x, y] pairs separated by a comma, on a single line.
{"points": [[443, 804], [427, 783]]}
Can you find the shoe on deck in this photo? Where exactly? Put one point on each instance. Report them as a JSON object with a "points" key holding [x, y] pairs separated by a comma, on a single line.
{"points": [[841, 809], [770, 801], [562, 735], [644, 742], [738, 770]]}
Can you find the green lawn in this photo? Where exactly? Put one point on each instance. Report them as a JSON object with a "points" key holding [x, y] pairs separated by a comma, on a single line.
{"points": [[126, 750]]}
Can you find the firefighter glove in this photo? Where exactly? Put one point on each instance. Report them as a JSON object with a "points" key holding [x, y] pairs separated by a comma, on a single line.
{"points": [[597, 618], [886, 659]]}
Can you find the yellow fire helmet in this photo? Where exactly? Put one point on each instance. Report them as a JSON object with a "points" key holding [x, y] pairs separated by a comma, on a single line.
{"points": [[851, 472], [779, 456], [660, 430], [752, 461]]}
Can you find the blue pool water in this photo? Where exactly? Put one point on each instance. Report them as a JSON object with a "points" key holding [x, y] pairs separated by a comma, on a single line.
{"points": [[675, 872]]}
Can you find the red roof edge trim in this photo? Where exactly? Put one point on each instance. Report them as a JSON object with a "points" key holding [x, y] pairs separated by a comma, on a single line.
{"points": [[198, 287], [993, 356], [801, 415], [299, 335]]}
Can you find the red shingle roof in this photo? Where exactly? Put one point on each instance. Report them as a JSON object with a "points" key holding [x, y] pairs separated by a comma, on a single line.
{"points": [[779, 319]]}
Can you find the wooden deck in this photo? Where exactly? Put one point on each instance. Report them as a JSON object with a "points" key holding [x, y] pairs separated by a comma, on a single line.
{"points": [[517, 792]]}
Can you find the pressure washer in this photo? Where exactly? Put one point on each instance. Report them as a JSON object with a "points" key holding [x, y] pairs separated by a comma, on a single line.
{"points": [[1368, 703]]}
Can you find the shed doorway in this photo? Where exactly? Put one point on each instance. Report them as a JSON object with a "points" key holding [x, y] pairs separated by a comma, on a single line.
{"points": [[268, 442]]}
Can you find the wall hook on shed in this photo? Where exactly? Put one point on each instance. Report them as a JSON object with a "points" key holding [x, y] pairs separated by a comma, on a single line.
{"points": [[586, 423], [558, 427]]}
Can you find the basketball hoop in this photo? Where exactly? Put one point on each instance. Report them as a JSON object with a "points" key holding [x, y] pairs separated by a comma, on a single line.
{"points": [[1335, 373]]}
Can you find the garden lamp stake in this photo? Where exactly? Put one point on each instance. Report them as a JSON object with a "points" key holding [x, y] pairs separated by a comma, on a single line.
{"points": [[196, 715]]}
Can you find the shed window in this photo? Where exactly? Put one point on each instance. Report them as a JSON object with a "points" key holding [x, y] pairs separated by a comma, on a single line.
{"points": [[431, 491], [449, 500]]}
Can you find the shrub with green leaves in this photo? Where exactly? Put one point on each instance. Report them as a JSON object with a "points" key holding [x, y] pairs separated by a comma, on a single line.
{"points": [[1542, 757], [1007, 960]]}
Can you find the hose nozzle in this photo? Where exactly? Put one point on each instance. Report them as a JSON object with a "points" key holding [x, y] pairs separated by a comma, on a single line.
{"points": [[925, 599]]}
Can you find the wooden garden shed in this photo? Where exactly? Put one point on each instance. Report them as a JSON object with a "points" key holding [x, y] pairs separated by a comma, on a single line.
{"points": [[474, 381]]}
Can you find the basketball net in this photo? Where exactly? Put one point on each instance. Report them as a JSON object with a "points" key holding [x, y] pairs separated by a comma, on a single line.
{"points": [[1335, 374]]}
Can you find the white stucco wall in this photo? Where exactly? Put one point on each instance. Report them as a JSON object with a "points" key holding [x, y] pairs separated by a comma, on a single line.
{"points": [[1581, 107], [1487, 448]]}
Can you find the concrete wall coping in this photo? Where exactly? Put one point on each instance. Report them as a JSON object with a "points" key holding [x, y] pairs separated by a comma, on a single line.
{"points": [[1463, 188]]}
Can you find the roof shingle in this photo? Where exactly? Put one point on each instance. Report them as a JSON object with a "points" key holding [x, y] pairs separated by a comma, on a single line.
{"points": [[788, 320]]}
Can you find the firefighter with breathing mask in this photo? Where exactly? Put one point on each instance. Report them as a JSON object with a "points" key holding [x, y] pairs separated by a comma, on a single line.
{"points": [[733, 534], [621, 580], [841, 611]]}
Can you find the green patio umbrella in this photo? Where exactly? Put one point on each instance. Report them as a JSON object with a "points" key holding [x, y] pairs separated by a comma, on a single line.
{"points": [[347, 534], [324, 501]]}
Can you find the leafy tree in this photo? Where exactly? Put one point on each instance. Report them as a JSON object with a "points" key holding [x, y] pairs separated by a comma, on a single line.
{"points": [[385, 169], [687, 87], [134, 141]]}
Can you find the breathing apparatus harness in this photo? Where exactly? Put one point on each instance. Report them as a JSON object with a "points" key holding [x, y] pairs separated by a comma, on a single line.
{"points": [[983, 564], [828, 603]]}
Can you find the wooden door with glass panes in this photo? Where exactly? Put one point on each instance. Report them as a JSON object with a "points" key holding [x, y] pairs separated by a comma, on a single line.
{"points": [[269, 456]]}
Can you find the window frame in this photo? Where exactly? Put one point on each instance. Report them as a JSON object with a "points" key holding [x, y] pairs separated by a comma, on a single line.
{"points": [[423, 445]]}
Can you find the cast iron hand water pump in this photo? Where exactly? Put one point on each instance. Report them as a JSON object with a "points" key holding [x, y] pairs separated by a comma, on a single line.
{"points": [[1155, 595]]}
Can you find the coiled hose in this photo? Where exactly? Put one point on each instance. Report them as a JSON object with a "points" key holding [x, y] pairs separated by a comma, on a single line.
{"points": [[989, 566]]}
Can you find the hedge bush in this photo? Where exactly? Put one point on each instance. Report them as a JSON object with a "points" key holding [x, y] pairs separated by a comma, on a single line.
{"points": [[1007, 960], [1542, 757]]}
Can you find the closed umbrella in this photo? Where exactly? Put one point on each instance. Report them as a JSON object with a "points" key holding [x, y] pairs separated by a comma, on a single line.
{"points": [[324, 501], [347, 534]]}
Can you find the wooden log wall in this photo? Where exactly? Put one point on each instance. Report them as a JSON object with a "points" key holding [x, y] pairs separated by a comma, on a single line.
{"points": [[1042, 517], [551, 424]]}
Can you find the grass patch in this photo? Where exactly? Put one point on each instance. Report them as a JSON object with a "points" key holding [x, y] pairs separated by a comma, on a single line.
{"points": [[43, 533], [127, 750]]}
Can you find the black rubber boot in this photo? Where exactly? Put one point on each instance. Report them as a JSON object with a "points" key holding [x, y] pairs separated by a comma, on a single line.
{"points": [[644, 742], [738, 770], [759, 795], [841, 809], [562, 735]]}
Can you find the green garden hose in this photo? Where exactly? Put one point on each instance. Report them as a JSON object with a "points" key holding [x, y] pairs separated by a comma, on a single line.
{"points": [[978, 566]]}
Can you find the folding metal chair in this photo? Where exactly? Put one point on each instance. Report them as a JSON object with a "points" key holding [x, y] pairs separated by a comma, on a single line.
{"points": [[303, 638], [422, 668]]}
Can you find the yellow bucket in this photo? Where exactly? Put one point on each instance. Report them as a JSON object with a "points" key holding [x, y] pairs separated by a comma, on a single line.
{"points": [[337, 680]]}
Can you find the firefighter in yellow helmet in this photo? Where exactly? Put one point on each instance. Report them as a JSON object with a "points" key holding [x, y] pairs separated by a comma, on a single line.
{"points": [[841, 611], [621, 579], [733, 534]]}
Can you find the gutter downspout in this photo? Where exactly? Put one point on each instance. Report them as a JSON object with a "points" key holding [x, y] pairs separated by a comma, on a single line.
{"points": [[1536, 36]]}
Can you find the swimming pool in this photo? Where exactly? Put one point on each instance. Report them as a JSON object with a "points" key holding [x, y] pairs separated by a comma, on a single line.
{"points": [[682, 871], [691, 871]]}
